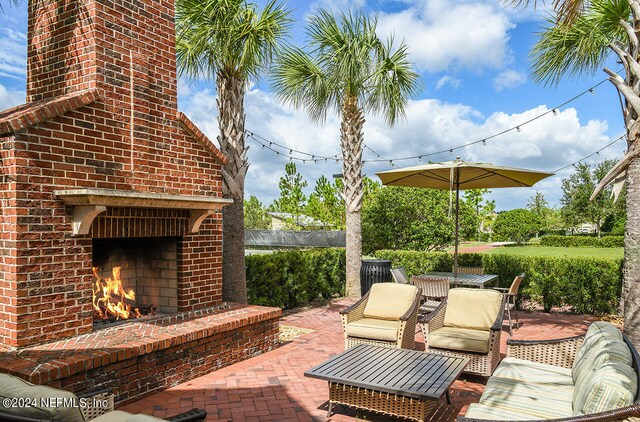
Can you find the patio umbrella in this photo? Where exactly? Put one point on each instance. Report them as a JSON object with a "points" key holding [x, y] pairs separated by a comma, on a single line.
{"points": [[460, 175]]}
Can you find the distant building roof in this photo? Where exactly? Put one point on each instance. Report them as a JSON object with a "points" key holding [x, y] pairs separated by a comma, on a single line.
{"points": [[303, 220]]}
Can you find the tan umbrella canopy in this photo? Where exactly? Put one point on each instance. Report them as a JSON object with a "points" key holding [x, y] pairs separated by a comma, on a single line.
{"points": [[460, 175]]}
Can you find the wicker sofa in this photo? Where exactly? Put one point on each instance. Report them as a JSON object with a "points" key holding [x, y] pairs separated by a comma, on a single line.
{"points": [[593, 377], [467, 323], [21, 401], [385, 316]]}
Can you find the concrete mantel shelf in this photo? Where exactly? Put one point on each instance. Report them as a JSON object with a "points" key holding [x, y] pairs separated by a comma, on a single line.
{"points": [[89, 203]]}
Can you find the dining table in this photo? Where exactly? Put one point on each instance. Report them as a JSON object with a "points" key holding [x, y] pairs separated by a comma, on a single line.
{"points": [[465, 280]]}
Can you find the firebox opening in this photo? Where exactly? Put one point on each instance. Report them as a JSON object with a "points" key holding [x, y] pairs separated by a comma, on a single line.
{"points": [[148, 270]]}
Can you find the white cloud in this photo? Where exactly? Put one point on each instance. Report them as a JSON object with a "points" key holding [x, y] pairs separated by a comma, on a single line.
{"points": [[13, 54], [430, 126], [10, 98], [471, 35], [508, 79], [454, 82]]}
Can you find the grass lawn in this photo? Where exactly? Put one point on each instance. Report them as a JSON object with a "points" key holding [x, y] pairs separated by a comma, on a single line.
{"points": [[607, 253]]}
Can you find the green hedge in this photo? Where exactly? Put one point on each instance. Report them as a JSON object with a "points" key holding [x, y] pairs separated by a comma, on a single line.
{"points": [[586, 285], [583, 241], [295, 278]]}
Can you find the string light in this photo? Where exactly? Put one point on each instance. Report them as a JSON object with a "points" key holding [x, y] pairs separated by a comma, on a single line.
{"points": [[315, 158], [575, 163]]}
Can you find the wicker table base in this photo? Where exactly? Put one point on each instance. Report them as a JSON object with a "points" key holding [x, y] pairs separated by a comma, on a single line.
{"points": [[379, 402]]}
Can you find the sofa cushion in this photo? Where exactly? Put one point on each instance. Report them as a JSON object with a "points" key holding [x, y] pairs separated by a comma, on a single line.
{"points": [[598, 337], [375, 329], [605, 351], [536, 399], [612, 386], [472, 308], [481, 411], [60, 409], [460, 339], [120, 416], [529, 371], [389, 300]]}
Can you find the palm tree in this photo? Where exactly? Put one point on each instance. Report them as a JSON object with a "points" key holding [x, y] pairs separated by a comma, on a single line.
{"points": [[232, 42], [349, 69], [578, 41]]}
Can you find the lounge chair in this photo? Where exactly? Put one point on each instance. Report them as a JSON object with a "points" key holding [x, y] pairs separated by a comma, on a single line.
{"points": [[467, 323], [39, 403], [385, 316]]}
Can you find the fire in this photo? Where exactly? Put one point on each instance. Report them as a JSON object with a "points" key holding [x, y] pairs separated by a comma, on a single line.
{"points": [[109, 297]]}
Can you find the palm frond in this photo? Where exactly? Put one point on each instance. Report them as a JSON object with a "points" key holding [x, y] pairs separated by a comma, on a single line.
{"points": [[582, 47], [228, 34], [345, 58]]}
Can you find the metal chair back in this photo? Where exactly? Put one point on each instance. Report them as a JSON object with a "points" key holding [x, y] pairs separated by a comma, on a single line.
{"points": [[469, 270], [433, 287], [399, 275]]}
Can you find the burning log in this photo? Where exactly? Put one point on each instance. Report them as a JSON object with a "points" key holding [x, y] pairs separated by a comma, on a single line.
{"points": [[110, 298]]}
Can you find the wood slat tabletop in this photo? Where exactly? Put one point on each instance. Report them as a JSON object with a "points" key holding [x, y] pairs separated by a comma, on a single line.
{"points": [[409, 373]]}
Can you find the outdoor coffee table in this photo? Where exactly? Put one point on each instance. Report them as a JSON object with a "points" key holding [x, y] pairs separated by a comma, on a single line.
{"points": [[398, 382]]}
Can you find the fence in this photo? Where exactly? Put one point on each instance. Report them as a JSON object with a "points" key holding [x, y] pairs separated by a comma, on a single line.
{"points": [[295, 239]]}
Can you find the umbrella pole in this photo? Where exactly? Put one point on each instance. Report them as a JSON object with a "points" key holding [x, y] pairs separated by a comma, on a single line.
{"points": [[455, 253]]}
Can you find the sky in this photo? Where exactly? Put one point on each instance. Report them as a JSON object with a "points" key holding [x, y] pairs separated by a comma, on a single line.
{"points": [[472, 56]]}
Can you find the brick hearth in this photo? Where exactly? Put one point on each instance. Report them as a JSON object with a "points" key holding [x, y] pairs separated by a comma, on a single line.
{"points": [[139, 358]]}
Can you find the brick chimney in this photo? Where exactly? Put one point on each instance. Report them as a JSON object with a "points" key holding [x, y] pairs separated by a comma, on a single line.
{"points": [[115, 46]]}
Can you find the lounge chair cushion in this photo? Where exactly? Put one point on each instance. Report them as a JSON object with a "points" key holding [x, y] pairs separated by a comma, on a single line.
{"points": [[472, 308], [611, 387], [379, 305], [120, 416], [454, 338], [375, 329], [14, 387]]}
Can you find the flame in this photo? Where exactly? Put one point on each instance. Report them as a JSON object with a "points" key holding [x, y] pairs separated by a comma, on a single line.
{"points": [[109, 297]]}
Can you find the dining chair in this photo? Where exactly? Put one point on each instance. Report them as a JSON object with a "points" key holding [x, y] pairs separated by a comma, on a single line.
{"points": [[432, 289], [510, 295], [469, 270], [399, 275]]}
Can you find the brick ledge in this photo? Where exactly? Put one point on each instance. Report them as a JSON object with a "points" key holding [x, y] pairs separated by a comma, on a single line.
{"points": [[31, 114], [50, 362]]}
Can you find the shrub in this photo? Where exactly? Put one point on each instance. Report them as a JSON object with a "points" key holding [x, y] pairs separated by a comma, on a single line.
{"points": [[295, 278], [586, 285], [583, 241], [516, 225]]}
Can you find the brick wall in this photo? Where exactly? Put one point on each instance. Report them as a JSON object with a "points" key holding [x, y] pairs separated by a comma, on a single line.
{"points": [[129, 139]]}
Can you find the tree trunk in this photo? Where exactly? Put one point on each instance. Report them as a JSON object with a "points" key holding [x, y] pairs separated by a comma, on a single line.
{"points": [[631, 271], [351, 138], [231, 139]]}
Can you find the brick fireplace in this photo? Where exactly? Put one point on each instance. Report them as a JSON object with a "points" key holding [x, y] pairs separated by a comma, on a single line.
{"points": [[100, 169]]}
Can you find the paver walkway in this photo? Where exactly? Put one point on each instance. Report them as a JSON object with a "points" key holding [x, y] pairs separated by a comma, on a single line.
{"points": [[271, 387]]}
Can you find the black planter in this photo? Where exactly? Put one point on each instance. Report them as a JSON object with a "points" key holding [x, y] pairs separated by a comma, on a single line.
{"points": [[374, 271]]}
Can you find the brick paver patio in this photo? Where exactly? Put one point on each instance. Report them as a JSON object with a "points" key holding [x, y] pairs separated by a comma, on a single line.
{"points": [[271, 387]]}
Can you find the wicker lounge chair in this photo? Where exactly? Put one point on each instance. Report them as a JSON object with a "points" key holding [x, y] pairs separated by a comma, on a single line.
{"points": [[399, 275], [21, 401], [433, 290], [385, 316], [467, 323], [511, 296], [593, 377]]}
